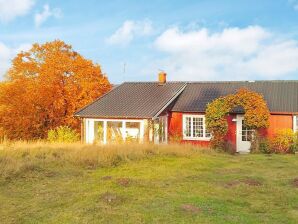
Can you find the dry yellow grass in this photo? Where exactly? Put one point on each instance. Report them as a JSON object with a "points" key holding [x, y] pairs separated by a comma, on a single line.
{"points": [[18, 157]]}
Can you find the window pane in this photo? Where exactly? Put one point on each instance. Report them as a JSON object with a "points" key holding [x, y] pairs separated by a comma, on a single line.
{"points": [[162, 128], [98, 131], [187, 127], [246, 132], [198, 127], [114, 131], [207, 134], [132, 131]]}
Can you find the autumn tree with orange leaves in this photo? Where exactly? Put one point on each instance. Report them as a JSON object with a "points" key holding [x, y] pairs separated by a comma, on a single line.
{"points": [[43, 89]]}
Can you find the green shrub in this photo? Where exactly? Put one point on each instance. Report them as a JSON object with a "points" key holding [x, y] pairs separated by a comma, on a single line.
{"points": [[63, 134], [228, 148], [264, 146], [294, 146], [260, 144]]}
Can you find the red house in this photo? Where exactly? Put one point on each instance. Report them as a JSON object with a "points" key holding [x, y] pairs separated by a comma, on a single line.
{"points": [[164, 111]]}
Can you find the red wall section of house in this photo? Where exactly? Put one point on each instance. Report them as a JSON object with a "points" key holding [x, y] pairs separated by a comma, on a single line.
{"points": [[175, 127], [231, 133], [275, 122]]}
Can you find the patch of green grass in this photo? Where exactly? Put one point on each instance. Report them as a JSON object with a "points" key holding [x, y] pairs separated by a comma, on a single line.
{"points": [[193, 186]]}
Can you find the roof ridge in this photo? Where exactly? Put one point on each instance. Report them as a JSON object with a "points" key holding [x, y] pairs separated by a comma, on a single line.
{"points": [[242, 81], [219, 81], [149, 82]]}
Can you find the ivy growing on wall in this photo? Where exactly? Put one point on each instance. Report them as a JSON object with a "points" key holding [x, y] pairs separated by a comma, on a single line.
{"points": [[256, 113]]}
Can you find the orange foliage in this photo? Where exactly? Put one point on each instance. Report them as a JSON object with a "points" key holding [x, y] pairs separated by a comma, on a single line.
{"points": [[256, 110], [256, 113], [43, 89], [283, 140]]}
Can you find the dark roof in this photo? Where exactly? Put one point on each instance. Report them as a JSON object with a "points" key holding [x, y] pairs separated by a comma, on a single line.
{"points": [[133, 100], [146, 99], [281, 96]]}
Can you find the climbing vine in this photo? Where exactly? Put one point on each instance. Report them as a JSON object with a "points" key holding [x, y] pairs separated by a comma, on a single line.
{"points": [[256, 113]]}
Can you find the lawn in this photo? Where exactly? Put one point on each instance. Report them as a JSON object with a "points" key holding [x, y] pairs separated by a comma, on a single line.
{"points": [[59, 184]]}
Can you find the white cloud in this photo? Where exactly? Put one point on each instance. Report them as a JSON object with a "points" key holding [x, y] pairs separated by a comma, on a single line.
{"points": [[47, 12], [233, 53], [7, 53], [10, 9], [130, 30], [294, 4]]}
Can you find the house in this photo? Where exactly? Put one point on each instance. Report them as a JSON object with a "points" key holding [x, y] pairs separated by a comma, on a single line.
{"points": [[164, 111]]}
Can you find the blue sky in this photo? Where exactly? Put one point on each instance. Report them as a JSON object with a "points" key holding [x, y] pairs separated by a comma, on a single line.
{"points": [[190, 40]]}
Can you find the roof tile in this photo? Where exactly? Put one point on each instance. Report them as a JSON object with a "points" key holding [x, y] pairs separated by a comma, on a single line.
{"points": [[133, 100]]}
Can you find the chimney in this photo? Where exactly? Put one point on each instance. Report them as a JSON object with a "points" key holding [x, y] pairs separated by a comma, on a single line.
{"points": [[162, 78]]}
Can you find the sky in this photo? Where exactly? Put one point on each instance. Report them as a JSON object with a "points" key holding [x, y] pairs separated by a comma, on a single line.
{"points": [[133, 40]]}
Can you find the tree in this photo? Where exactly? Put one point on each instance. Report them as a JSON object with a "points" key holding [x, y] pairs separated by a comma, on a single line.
{"points": [[256, 113], [43, 89]]}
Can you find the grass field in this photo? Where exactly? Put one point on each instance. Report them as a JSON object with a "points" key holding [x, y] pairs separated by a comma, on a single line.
{"points": [[42, 183]]}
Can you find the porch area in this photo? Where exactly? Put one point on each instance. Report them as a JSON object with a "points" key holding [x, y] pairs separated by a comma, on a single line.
{"points": [[114, 131]]}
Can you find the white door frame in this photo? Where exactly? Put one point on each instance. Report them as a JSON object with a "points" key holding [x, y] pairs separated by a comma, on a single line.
{"points": [[241, 146], [157, 123]]}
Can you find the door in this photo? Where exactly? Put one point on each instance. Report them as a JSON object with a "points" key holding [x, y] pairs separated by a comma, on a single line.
{"points": [[161, 130], [243, 135]]}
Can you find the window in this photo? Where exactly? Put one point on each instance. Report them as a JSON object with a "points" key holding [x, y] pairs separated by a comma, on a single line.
{"points": [[194, 128], [114, 131], [246, 133], [98, 131], [187, 129], [132, 131], [295, 123]]}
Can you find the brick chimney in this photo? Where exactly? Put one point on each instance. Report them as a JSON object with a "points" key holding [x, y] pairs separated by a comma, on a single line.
{"points": [[162, 78]]}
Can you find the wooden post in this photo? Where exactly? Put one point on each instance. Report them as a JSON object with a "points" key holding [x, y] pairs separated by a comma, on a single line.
{"points": [[105, 132], [82, 130]]}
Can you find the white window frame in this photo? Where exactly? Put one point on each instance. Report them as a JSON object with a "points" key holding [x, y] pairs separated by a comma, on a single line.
{"points": [[295, 125], [204, 138], [90, 128]]}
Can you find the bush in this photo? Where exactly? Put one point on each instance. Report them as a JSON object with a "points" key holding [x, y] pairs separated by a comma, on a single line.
{"points": [[259, 143], [63, 134], [264, 146], [283, 141], [228, 148], [294, 146], [175, 137]]}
